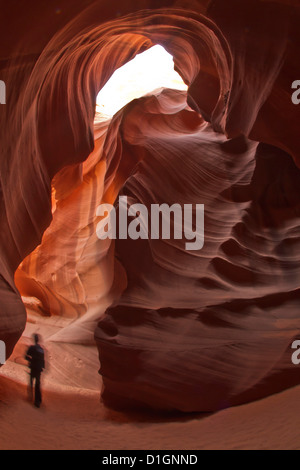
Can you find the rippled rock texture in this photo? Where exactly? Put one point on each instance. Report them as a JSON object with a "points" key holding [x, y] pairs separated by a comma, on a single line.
{"points": [[191, 331]]}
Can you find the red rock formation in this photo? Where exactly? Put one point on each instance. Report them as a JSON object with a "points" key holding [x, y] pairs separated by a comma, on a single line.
{"points": [[191, 331]]}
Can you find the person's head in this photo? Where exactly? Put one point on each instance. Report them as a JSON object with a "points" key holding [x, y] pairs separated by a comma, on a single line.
{"points": [[36, 338]]}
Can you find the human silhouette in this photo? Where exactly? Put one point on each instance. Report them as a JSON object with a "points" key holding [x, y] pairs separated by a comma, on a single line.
{"points": [[36, 361]]}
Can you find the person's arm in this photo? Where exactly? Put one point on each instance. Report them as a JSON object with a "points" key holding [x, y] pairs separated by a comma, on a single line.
{"points": [[28, 355]]}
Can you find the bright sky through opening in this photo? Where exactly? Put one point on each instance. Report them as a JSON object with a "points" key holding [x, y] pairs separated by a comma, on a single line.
{"points": [[144, 74]]}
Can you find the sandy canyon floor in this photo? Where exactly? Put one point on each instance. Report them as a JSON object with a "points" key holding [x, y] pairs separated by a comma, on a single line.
{"points": [[73, 417]]}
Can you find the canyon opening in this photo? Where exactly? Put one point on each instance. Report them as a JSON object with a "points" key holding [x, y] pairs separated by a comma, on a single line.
{"points": [[147, 73]]}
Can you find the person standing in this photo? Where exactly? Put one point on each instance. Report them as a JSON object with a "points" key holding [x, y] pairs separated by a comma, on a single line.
{"points": [[36, 361]]}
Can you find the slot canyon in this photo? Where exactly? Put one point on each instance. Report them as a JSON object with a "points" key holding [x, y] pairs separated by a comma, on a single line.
{"points": [[151, 325]]}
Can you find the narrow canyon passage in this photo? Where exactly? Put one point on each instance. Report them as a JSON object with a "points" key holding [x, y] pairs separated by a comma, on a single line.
{"points": [[173, 329]]}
